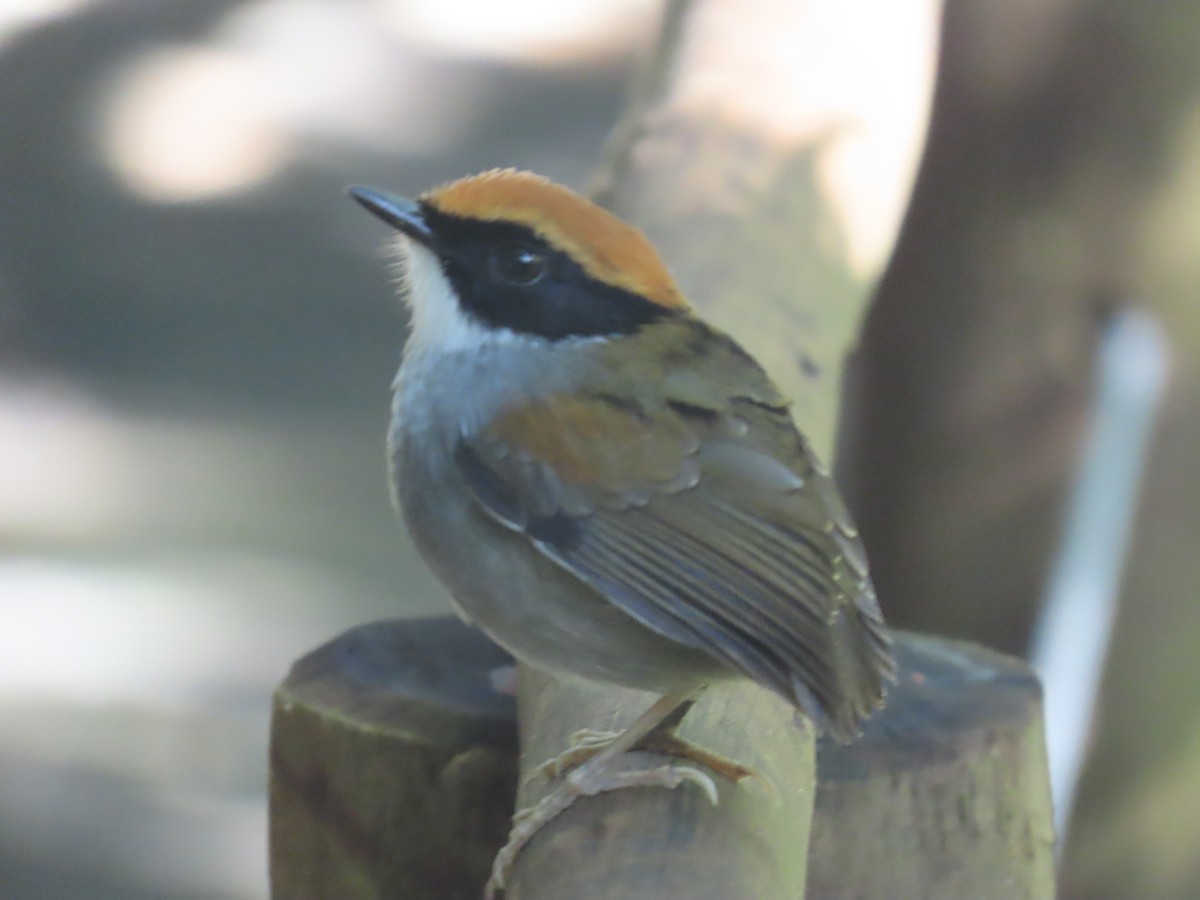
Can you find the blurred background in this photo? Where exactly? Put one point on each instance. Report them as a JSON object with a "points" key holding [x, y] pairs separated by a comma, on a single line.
{"points": [[197, 336]]}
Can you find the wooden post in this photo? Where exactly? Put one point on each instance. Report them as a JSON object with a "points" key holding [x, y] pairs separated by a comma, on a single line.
{"points": [[393, 763], [947, 794], [393, 760]]}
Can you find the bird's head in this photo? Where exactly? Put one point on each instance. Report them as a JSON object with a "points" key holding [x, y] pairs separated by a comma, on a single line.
{"points": [[509, 252]]}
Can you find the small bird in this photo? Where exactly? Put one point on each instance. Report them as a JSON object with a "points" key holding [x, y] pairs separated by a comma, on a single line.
{"points": [[608, 486]]}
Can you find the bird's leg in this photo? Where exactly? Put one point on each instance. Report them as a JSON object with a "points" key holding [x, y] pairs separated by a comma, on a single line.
{"points": [[595, 777], [587, 742]]}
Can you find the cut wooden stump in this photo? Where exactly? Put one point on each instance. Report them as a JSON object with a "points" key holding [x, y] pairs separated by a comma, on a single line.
{"points": [[393, 764], [947, 793]]}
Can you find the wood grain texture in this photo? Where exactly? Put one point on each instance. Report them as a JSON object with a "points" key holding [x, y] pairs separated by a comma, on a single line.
{"points": [[392, 765], [947, 793]]}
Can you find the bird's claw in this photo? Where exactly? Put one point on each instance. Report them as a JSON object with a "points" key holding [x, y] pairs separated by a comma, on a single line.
{"points": [[583, 783]]}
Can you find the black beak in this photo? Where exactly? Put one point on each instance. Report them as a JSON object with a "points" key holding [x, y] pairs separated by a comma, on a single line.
{"points": [[401, 213]]}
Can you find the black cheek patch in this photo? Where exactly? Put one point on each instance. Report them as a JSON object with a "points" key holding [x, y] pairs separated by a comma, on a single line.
{"points": [[565, 302], [557, 308]]}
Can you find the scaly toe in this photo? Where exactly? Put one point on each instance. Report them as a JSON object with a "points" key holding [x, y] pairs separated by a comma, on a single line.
{"points": [[585, 744], [670, 777]]}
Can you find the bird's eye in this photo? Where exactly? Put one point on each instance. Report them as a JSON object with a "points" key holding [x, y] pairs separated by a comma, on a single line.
{"points": [[518, 263]]}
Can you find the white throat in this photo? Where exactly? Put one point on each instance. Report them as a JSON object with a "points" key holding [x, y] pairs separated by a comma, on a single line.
{"points": [[439, 324]]}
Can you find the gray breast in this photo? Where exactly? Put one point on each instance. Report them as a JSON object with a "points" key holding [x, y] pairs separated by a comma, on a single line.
{"points": [[496, 577]]}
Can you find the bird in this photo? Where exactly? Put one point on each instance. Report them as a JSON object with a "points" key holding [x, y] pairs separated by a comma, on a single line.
{"points": [[608, 486]]}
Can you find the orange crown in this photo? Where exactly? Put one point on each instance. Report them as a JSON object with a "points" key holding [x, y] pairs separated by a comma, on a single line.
{"points": [[609, 250]]}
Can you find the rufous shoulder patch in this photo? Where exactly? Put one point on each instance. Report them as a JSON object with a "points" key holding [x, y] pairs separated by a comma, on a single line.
{"points": [[589, 441], [609, 249]]}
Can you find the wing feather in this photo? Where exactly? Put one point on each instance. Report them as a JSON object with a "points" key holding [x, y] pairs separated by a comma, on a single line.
{"points": [[714, 530]]}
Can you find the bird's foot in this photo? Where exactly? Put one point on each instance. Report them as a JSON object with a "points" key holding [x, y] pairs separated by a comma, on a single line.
{"points": [[584, 744], [587, 742], [586, 781]]}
